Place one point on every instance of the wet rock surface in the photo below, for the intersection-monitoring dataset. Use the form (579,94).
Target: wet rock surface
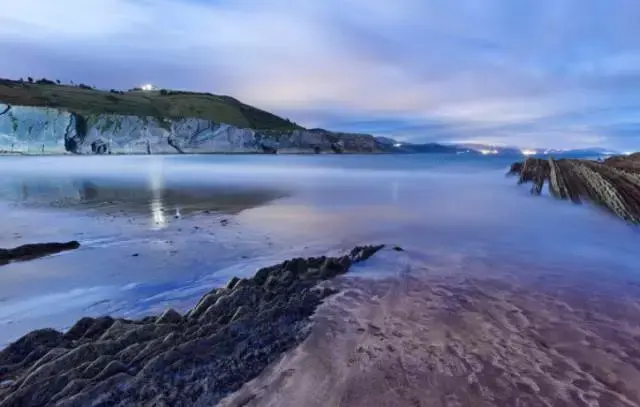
(613,184)
(227,339)
(34,251)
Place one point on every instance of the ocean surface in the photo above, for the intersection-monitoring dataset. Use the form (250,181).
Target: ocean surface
(160,231)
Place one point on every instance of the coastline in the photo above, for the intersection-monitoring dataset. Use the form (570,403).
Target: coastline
(419,336)
(426,340)
(229,337)
(423,304)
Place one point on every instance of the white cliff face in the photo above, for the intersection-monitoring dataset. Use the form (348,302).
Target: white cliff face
(37,130)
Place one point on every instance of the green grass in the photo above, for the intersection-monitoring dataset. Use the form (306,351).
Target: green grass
(161,106)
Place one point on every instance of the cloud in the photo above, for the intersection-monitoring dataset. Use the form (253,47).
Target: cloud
(536,73)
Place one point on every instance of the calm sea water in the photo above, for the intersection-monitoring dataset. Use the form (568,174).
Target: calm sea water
(161,231)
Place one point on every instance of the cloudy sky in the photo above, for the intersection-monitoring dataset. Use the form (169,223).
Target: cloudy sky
(539,73)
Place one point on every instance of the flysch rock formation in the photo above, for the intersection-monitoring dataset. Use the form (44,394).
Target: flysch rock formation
(613,184)
(231,335)
(46,130)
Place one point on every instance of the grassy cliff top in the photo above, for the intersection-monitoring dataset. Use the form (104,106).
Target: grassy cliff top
(156,103)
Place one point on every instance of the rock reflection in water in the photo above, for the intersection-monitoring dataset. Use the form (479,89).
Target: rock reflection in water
(153,197)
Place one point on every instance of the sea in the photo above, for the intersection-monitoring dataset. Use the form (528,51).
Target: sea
(160,231)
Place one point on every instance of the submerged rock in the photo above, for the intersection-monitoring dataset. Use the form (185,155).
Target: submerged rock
(34,251)
(228,338)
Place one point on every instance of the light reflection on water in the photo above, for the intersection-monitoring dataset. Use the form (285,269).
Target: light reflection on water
(156,185)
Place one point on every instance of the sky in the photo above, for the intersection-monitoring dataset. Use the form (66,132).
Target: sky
(539,73)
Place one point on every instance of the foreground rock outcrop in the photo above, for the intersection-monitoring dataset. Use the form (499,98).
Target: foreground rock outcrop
(34,251)
(227,339)
(613,184)
(47,130)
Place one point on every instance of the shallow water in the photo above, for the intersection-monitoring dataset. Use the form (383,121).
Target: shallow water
(160,231)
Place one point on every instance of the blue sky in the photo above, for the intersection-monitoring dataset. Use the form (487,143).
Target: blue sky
(543,73)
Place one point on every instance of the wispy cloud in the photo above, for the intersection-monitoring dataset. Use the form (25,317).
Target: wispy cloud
(537,73)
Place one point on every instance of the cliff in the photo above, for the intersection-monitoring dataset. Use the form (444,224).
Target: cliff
(57,119)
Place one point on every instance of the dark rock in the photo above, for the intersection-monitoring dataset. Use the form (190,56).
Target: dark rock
(114,367)
(228,338)
(98,327)
(34,251)
(99,147)
(362,253)
(398,249)
(170,316)
(515,169)
(79,328)
(232,283)
(46,338)
(268,149)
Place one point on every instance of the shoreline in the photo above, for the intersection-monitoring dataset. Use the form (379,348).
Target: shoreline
(423,340)
(229,337)
(3,154)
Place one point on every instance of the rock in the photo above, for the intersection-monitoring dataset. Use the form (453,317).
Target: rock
(114,367)
(99,147)
(398,249)
(232,283)
(170,316)
(228,338)
(98,327)
(34,251)
(613,184)
(17,351)
(204,303)
(362,253)
(62,131)
(79,328)
(515,169)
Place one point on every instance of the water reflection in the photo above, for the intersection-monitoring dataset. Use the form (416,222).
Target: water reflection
(152,195)
(156,184)
(159,220)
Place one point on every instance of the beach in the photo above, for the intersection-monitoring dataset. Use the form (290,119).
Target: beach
(493,296)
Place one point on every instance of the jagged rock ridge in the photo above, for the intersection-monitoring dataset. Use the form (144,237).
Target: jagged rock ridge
(196,359)
(613,184)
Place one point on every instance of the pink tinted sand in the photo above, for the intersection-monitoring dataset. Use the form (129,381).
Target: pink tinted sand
(427,340)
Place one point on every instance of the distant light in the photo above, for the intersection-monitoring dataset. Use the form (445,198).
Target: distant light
(397,145)
(487,152)
(147,87)
(628,152)
(528,152)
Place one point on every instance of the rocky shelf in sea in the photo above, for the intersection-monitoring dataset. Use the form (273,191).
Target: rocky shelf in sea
(612,184)
(230,336)
(34,251)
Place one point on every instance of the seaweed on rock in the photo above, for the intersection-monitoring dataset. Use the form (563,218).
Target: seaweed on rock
(613,184)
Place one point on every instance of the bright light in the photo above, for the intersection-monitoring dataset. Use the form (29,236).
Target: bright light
(628,152)
(487,152)
(528,152)
(397,145)
(147,87)
(156,185)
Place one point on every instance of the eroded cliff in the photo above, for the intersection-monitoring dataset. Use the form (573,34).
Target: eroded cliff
(37,130)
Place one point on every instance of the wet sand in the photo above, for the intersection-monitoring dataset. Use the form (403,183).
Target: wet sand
(500,299)
(424,339)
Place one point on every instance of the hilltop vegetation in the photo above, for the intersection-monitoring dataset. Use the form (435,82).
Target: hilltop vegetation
(162,104)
